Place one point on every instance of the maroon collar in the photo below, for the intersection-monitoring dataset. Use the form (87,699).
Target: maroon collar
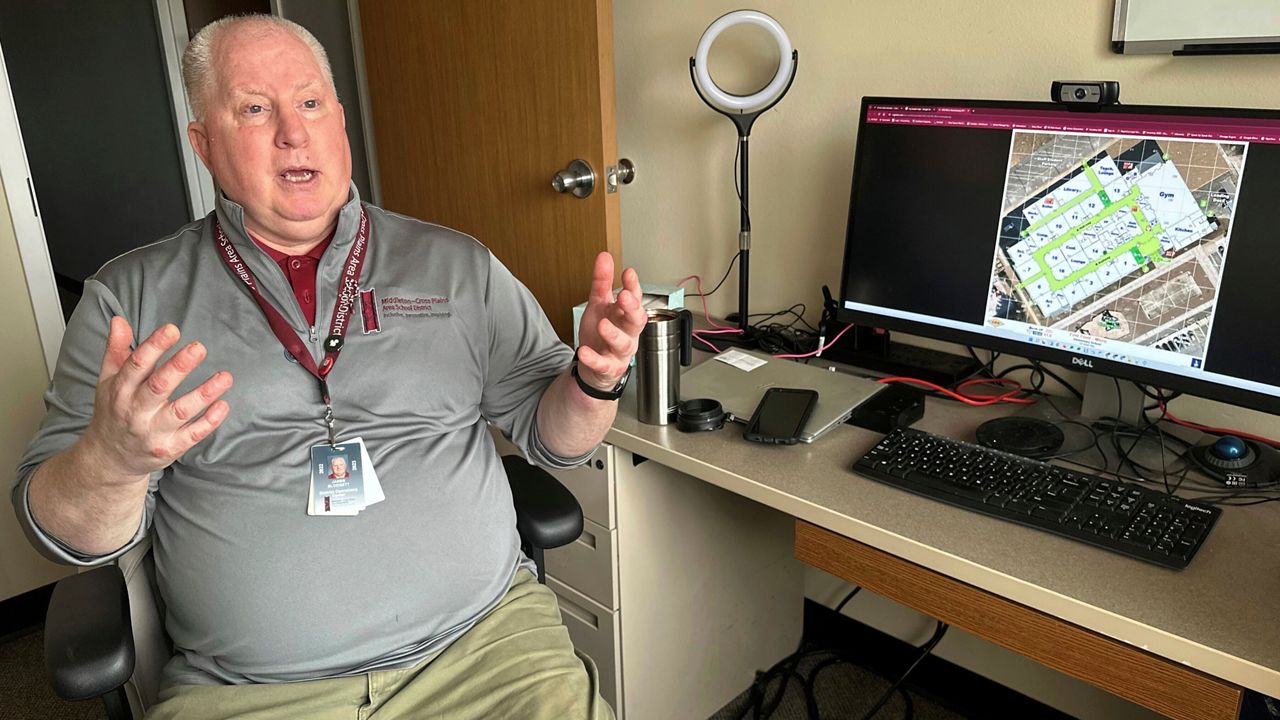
(314,253)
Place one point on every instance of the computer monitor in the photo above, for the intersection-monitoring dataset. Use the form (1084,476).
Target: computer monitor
(1139,242)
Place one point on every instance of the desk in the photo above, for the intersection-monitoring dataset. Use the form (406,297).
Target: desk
(1182,643)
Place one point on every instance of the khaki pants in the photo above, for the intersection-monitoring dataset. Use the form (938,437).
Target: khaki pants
(517,662)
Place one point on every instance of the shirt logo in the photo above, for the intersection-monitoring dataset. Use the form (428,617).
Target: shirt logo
(405,306)
(370,322)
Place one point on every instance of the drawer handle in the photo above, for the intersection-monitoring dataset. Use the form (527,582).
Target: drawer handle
(579,613)
(587,539)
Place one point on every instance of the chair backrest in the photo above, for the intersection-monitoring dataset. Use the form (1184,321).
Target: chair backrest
(151,644)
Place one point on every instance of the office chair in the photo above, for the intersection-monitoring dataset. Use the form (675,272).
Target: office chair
(104,636)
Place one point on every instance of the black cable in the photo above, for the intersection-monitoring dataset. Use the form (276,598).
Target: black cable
(1164,465)
(1038,368)
(925,650)
(1140,433)
(812,700)
(1094,443)
(784,338)
(722,278)
(847,598)
(1158,394)
(1067,418)
(789,311)
(737,152)
(786,667)
(1070,388)
(986,369)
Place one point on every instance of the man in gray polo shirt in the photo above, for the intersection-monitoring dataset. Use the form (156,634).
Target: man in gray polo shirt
(328,325)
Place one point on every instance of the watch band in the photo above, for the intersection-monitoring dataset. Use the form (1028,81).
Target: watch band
(595,392)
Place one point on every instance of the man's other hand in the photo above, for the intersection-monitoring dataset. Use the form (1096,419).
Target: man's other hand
(136,428)
(610,328)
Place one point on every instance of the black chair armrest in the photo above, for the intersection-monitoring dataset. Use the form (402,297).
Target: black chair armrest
(88,637)
(547,514)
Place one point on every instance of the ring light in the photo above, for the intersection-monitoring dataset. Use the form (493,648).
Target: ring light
(743,110)
(767,94)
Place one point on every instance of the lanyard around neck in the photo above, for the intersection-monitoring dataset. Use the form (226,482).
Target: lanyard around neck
(342,309)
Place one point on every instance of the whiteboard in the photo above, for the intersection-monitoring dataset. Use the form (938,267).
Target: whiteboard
(1196,27)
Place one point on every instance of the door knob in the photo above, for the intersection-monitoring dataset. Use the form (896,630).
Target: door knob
(578,178)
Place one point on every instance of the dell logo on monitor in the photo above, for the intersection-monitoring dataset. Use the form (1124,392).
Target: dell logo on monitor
(1085,362)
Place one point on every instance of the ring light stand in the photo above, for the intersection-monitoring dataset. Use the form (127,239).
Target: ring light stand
(743,111)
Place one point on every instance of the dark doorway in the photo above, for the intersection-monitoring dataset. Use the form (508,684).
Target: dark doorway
(89,85)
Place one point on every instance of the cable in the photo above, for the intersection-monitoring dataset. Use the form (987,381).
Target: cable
(791,310)
(976,401)
(722,329)
(986,369)
(812,700)
(847,598)
(1215,430)
(786,667)
(724,277)
(1070,388)
(821,349)
(925,650)
(736,188)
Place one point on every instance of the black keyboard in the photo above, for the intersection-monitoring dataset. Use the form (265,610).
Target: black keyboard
(1123,517)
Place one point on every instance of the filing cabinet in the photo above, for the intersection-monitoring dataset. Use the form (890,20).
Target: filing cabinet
(584,573)
(677,590)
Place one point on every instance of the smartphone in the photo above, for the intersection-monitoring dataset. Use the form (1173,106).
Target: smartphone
(781,415)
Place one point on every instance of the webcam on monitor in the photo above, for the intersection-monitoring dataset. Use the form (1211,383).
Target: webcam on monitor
(1085,94)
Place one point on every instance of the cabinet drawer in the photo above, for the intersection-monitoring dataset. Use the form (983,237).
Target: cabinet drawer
(592,484)
(594,631)
(587,564)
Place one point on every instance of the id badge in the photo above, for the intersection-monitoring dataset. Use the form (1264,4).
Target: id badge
(343,481)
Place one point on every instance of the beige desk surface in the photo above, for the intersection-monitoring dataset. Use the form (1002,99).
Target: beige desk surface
(1221,615)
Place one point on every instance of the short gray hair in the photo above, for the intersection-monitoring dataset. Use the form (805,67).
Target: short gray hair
(198,73)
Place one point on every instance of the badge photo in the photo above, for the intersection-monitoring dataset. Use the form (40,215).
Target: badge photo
(337,480)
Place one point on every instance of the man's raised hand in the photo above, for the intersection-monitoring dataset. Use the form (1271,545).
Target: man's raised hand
(610,327)
(136,427)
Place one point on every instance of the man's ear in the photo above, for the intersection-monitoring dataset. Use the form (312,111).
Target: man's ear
(199,140)
(342,109)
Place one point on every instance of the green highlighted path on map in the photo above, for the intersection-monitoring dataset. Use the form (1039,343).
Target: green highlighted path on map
(1097,189)
(1144,247)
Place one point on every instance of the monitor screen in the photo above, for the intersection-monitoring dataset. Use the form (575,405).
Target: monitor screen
(1140,242)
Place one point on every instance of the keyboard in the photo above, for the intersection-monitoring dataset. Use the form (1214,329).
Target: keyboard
(1123,517)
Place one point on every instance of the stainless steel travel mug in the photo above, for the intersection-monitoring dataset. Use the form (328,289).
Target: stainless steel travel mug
(666,344)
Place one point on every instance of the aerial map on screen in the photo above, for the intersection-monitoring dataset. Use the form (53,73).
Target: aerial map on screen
(1115,238)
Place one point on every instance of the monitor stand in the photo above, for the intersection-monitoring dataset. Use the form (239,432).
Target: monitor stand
(1107,397)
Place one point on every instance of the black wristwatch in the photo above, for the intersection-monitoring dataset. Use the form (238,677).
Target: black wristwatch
(595,392)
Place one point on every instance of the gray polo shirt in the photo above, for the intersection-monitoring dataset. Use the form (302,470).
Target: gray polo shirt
(255,590)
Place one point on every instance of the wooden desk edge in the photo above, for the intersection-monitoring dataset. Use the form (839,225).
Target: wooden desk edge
(1118,668)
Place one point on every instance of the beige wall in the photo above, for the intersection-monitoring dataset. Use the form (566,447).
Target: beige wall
(24,380)
(680,216)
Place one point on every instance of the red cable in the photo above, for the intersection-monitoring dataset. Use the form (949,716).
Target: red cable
(1215,430)
(976,401)
(705,312)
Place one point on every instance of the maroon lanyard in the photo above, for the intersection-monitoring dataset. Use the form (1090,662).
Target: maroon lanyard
(342,310)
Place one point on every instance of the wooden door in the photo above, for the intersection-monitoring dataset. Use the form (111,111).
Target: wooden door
(475,105)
